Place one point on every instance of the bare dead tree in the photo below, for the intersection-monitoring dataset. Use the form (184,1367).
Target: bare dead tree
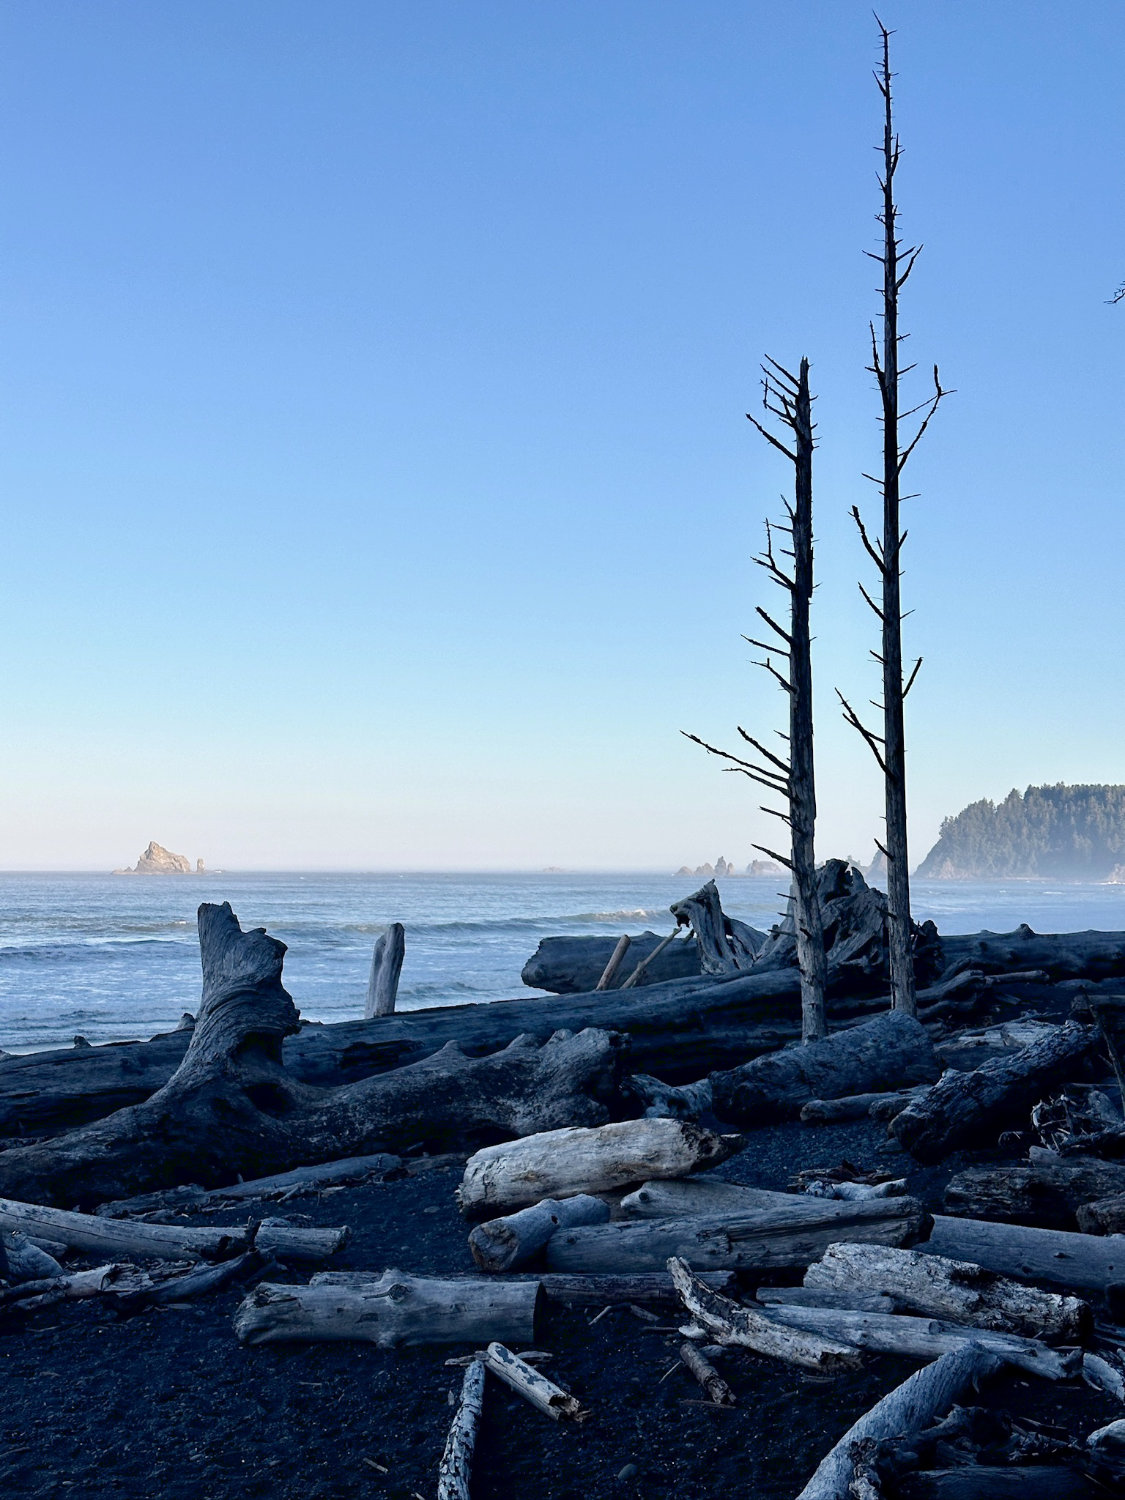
(889,748)
(787,398)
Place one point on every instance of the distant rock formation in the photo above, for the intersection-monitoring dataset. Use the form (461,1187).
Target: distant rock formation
(764,867)
(1049,832)
(156,860)
(726,868)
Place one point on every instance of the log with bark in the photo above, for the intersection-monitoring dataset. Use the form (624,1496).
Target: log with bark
(505,1243)
(1086,1261)
(884,1053)
(961,1291)
(966,1108)
(923,1338)
(1049,1195)
(791,1234)
(561,1163)
(904,1411)
(396,1310)
(717,1317)
(232,1110)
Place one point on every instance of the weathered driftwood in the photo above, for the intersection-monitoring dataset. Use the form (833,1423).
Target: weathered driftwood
(959,1290)
(576,965)
(963,1107)
(202,1279)
(23,1260)
(856,1192)
(231,1107)
(1103,1375)
(907,1409)
(712,1383)
(29,1296)
(637,975)
(923,1338)
(1065,955)
(1104,1216)
(535,1388)
(703,913)
(1047,1195)
(616,959)
(386,968)
(456,1467)
(684,1101)
(560,1163)
(505,1243)
(730,1323)
(1025,1482)
(1086,1261)
(883,1053)
(783,1235)
(349,1172)
(805,1296)
(119,1239)
(288,1242)
(858,1106)
(580,1291)
(685,1197)
(396,1310)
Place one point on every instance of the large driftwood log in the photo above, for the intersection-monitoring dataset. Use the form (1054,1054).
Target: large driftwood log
(884,1053)
(386,967)
(1104,1216)
(958,1290)
(580,1291)
(561,1163)
(923,1338)
(1025,1482)
(784,1235)
(688,1197)
(502,1244)
(1086,1261)
(118,1240)
(720,952)
(907,1409)
(395,1311)
(231,1109)
(576,965)
(729,1322)
(349,1172)
(858,1106)
(1063,955)
(1049,1195)
(964,1107)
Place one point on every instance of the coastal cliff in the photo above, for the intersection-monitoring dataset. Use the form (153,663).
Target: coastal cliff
(1048,833)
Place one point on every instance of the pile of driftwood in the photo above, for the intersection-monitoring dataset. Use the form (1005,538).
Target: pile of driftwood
(590,1177)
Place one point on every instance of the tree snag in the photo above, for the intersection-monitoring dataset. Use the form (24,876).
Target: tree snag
(889,748)
(786,397)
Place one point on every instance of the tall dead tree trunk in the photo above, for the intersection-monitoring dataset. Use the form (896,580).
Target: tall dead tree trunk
(890,747)
(787,397)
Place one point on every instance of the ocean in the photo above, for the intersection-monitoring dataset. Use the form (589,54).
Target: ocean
(115,957)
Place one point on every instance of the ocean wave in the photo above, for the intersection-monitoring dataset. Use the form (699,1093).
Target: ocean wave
(499,925)
(89,948)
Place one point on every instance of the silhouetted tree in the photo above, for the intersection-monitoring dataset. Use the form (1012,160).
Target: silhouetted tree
(787,398)
(889,747)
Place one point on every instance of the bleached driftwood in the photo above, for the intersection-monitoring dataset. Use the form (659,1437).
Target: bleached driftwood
(1102,1375)
(1087,1261)
(883,1053)
(349,1172)
(789,1234)
(856,1192)
(858,1106)
(958,1290)
(456,1467)
(638,973)
(703,913)
(386,967)
(288,1242)
(907,1409)
(923,1338)
(505,1243)
(527,1382)
(714,1386)
(396,1310)
(559,1163)
(730,1323)
(22,1260)
(809,1296)
(616,959)
(121,1239)
(580,1291)
(686,1197)
(72,1287)
(1048,1195)
(964,1107)
(677,1101)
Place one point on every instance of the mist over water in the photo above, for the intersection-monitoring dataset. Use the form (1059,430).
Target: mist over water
(116,957)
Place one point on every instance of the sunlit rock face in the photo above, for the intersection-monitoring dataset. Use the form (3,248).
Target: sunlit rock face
(156,860)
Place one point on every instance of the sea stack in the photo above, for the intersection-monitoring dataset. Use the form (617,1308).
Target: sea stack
(156,860)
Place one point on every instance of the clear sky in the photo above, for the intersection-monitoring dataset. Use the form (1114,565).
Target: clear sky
(377,486)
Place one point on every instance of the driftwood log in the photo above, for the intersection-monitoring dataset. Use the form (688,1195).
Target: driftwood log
(963,1108)
(232,1110)
(23,1260)
(349,1172)
(580,1291)
(394,1311)
(560,1163)
(906,1410)
(456,1465)
(386,968)
(688,1197)
(803,1296)
(534,1387)
(577,965)
(923,1338)
(1049,1195)
(1064,955)
(717,1317)
(1025,1482)
(505,1243)
(1104,1216)
(721,950)
(882,1105)
(784,1235)
(883,1053)
(1086,1261)
(958,1290)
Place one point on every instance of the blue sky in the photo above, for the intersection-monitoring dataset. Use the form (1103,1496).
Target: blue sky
(377,484)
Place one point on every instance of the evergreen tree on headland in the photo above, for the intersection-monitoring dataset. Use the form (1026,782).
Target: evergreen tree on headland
(1052,832)
(787,398)
(889,748)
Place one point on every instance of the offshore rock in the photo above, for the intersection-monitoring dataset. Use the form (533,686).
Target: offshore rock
(156,860)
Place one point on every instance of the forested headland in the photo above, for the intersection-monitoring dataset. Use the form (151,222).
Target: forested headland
(1052,832)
